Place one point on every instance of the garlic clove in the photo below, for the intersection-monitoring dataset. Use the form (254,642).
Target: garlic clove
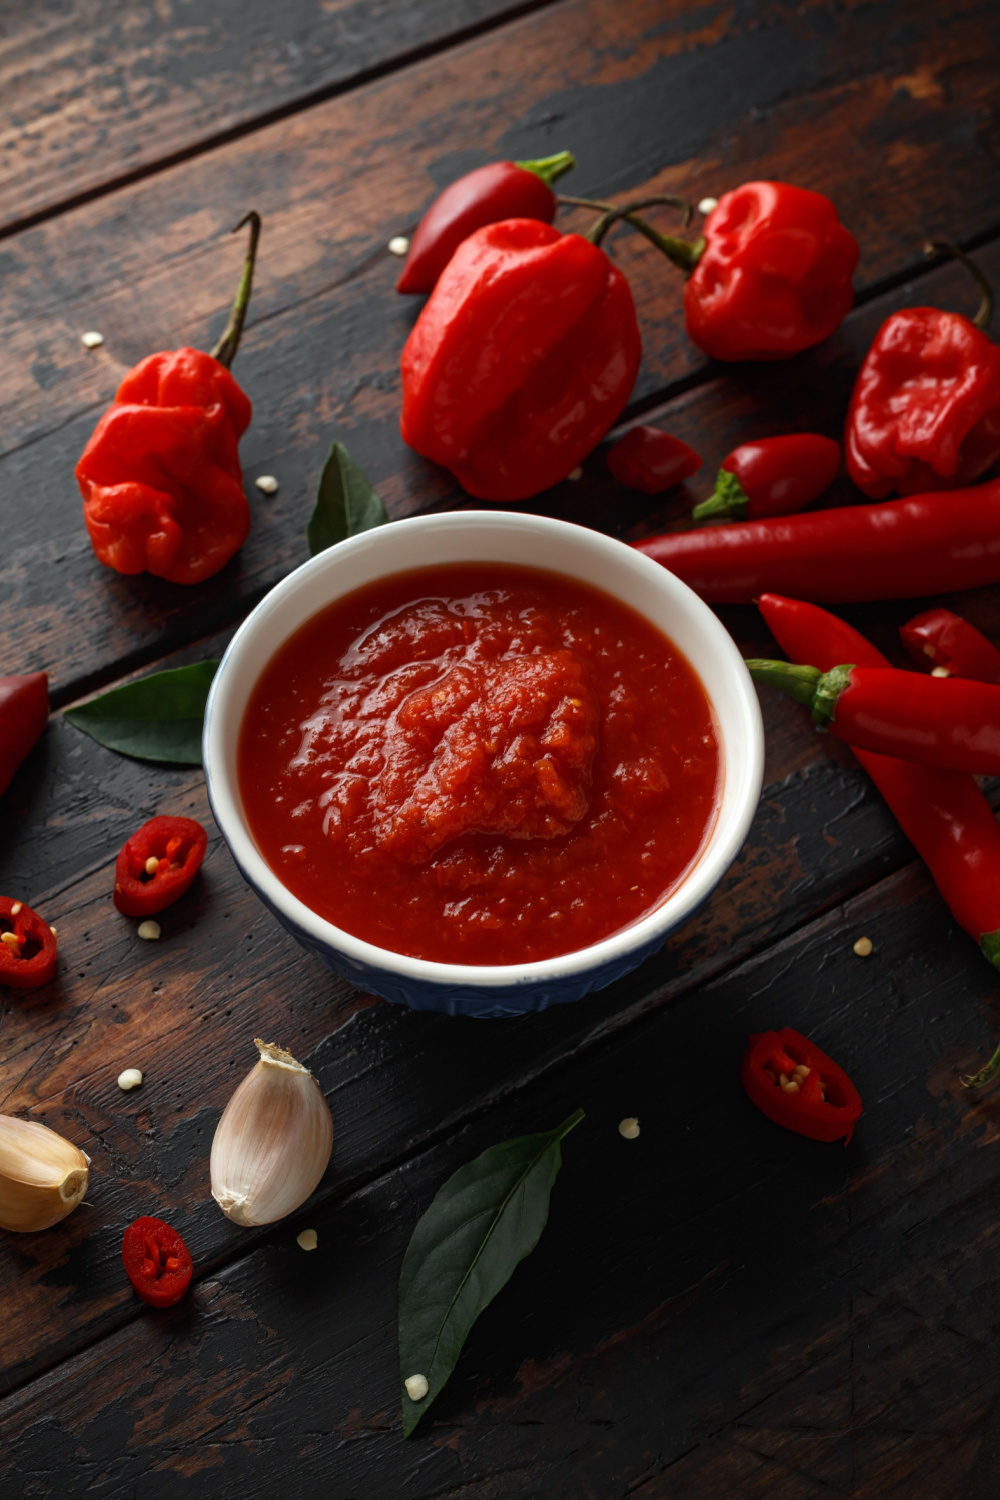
(42,1176)
(273,1143)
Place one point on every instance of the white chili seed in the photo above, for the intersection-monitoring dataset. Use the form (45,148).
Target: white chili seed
(707,205)
(940,671)
(54,931)
(16,908)
(791,1088)
(149,931)
(576,473)
(152,865)
(863,947)
(267,484)
(307,1240)
(398,245)
(130,1079)
(416,1387)
(629,1127)
(10,939)
(92,340)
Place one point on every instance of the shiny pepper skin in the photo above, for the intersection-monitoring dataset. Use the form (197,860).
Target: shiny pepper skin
(24,713)
(160,478)
(774,277)
(521,360)
(925,412)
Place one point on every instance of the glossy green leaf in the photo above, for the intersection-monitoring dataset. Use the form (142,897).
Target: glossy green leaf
(485,1219)
(346,504)
(158,717)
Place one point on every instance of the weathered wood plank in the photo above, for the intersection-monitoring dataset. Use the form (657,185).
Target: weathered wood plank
(718,1308)
(147,266)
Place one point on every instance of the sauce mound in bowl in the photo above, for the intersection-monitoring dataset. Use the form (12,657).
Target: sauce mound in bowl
(479,764)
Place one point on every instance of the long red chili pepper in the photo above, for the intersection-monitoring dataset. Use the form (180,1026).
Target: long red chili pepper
(947,722)
(24,713)
(943,813)
(952,645)
(896,550)
(772,477)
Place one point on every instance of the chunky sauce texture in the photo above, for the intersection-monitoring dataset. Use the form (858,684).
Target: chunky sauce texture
(479,764)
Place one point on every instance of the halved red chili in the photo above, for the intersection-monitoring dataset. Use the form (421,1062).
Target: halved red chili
(27,946)
(158,864)
(948,641)
(796,1085)
(157,1262)
(650,460)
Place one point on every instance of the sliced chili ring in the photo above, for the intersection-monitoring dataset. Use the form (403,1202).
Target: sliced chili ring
(157,1262)
(796,1085)
(157,865)
(27,946)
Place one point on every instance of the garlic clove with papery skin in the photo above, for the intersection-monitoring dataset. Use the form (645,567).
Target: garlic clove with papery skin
(273,1142)
(42,1176)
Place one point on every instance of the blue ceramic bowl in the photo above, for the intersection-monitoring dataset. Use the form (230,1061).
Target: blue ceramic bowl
(531,541)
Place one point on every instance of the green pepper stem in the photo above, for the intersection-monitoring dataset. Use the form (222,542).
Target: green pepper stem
(984,312)
(225,349)
(683,253)
(548,168)
(729,498)
(818,690)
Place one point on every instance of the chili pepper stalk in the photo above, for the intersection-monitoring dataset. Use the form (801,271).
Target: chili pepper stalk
(225,349)
(818,690)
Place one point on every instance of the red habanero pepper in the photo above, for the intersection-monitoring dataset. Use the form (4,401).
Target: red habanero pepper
(925,411)
(24,713)
(521,360)
(160,478)
(649,460)
(943,813)
(27,946)
(157,864)
(157,1262)
(772,477)
(502,190)
(896,550)
(945,722)
(952,645)
(796,1085)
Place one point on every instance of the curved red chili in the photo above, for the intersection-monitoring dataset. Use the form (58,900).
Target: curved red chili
(796,1085)
(521,360)
(772,477)
(952,644)
(650,460)
(157,864)
(502,190)
(897,550)
(27,946)
(24,713)
(157,1262)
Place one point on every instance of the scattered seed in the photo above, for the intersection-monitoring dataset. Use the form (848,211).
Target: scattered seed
(267,484)
(707,205)
(940,671)
(307,1239)
(576,473)
(149,931)
(629,1127)
(130,1079)
(398,245)
(863,947)
(16,908)
(54,931)
(92,340)
(416,1387)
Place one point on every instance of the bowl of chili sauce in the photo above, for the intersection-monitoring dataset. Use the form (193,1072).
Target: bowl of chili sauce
(482,762)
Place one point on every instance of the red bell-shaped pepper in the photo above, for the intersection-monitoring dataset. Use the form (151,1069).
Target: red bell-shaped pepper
(157,864)
(24,713)
(160,478)
(521,360)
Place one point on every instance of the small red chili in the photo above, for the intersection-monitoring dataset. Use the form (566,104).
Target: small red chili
(157,1262)
(772,477)
(27,946)
(946,640)
(796,1085)
(502,190)
(157,865)
(649,460)
(24,713)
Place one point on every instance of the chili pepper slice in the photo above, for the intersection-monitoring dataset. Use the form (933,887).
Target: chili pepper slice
(24,713)
(796,1085)
(772,477)
(649,460)
(157,1262)
(947,641)
(948,539)
(27,946)
(157,864)
(502,190)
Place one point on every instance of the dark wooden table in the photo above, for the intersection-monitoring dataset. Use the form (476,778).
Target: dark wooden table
(718,1308)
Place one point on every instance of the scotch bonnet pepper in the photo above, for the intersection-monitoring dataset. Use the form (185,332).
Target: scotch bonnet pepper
(160,478)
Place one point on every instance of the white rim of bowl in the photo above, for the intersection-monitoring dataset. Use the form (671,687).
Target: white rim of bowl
(715,858)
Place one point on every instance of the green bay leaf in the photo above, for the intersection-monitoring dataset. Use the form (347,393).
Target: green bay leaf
(346,504)
(159,717)
(485,1219)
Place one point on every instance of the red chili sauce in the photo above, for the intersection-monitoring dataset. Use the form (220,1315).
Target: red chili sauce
(479,764)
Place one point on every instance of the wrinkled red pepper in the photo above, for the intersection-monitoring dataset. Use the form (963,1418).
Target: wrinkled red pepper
(925,411)
(27,946)
(502,190)
(896,550)
(521,360)
(24,713)
(160,478)
(952,645)
(157,865)
(796,1085)
(157,1262)
(772,477)
(650,460)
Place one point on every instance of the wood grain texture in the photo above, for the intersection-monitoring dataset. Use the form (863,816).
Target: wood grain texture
(150,266)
